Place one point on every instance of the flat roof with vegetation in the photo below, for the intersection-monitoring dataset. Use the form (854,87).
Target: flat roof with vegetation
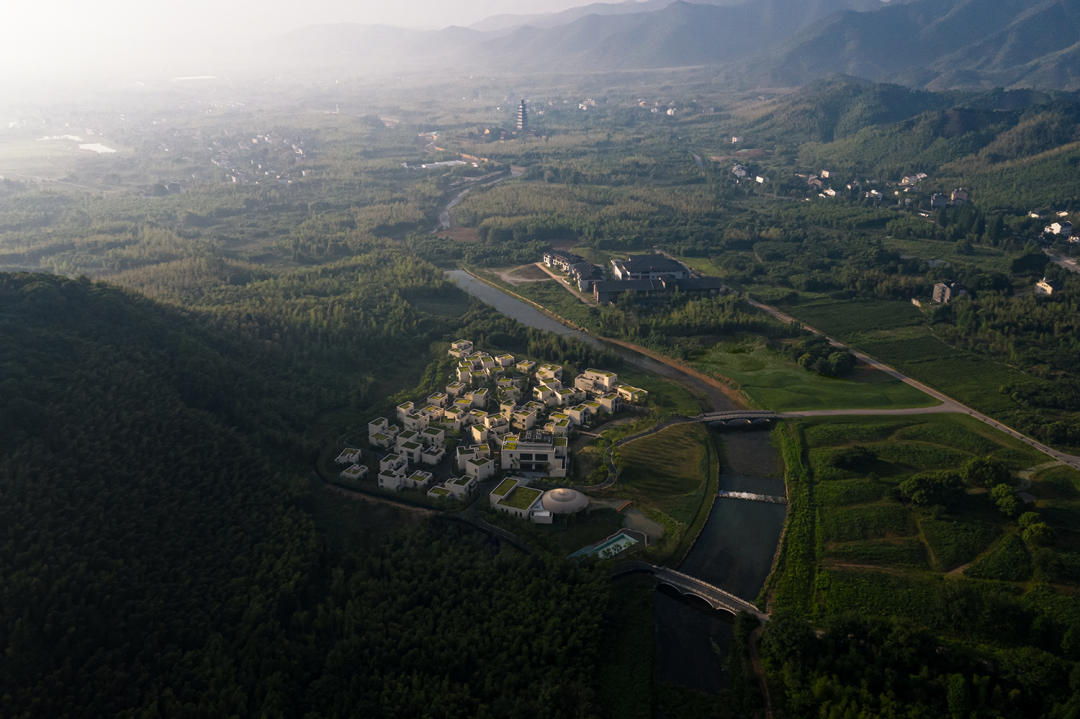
(439,491)
(506,486)
(462,481)
(521,498)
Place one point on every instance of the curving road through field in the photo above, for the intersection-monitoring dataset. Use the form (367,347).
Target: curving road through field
(948,404)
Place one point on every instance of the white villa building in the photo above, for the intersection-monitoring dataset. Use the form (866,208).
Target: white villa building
(355,472)
(348,456)
(536,453)
(515,497)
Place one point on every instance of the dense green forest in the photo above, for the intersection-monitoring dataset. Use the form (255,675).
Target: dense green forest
(160,556)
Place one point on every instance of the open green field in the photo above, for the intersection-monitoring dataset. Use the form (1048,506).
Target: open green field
(775,382)
(669,463)
(669,397)
(552,296)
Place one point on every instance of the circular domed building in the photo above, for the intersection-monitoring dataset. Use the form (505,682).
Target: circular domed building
(564,501)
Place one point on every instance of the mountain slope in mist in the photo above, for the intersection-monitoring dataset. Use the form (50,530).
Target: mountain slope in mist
(936,44)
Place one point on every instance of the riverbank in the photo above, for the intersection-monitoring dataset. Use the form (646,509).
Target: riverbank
(729,388)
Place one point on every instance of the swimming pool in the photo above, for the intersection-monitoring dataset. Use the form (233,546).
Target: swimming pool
(614,544)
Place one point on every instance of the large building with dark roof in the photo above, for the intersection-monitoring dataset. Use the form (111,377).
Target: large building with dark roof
(606,292)
(648,267)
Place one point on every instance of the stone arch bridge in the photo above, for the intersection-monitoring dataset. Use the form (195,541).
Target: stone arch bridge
(692,587)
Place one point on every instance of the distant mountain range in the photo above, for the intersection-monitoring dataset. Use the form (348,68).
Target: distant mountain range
(933,44)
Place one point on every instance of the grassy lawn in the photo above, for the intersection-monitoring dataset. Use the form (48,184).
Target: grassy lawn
(664,394)
(669,463)
(521,498)
(672,477)
(549,295)
(775,382)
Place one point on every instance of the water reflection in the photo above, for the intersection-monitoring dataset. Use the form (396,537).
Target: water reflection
(685,637)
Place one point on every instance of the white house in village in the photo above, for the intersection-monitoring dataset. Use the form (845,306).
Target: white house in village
(596,381)
(461,486)
(480,469)
(348,456)
(536,453)
(461,348)
(355,472)
(516,498)
(633,395)
(381,434)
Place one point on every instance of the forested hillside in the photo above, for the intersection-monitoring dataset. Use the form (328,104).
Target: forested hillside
(158,558)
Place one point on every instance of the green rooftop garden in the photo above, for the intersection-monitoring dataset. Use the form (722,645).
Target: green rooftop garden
(560,441)
(462,481)
(521,498)
(506,486)
(439,492)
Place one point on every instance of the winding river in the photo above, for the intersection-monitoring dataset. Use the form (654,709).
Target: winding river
(736,546)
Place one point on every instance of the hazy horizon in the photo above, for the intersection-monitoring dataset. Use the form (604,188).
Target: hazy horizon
(63,41)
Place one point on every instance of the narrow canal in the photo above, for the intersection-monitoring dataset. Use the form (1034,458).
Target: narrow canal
(736,547)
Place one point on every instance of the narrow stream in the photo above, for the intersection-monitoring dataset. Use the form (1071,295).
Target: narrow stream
(736,546)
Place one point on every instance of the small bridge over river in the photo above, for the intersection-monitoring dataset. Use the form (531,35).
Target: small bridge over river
(692,587)
(738,419)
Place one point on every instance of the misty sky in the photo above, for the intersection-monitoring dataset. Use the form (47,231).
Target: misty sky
(42,37)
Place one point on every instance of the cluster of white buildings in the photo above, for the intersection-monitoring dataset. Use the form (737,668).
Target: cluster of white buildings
(511,415)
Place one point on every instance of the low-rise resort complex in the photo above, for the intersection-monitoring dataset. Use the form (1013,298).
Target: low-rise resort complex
(499,418)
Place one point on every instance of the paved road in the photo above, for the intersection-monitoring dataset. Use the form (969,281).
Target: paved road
(948,404)
(1066,263)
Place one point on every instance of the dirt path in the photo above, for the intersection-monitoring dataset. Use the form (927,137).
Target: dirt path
(510,278)
(590,301)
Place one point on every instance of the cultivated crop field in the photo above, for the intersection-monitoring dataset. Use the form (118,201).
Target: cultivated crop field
(874,551)
(842,319)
